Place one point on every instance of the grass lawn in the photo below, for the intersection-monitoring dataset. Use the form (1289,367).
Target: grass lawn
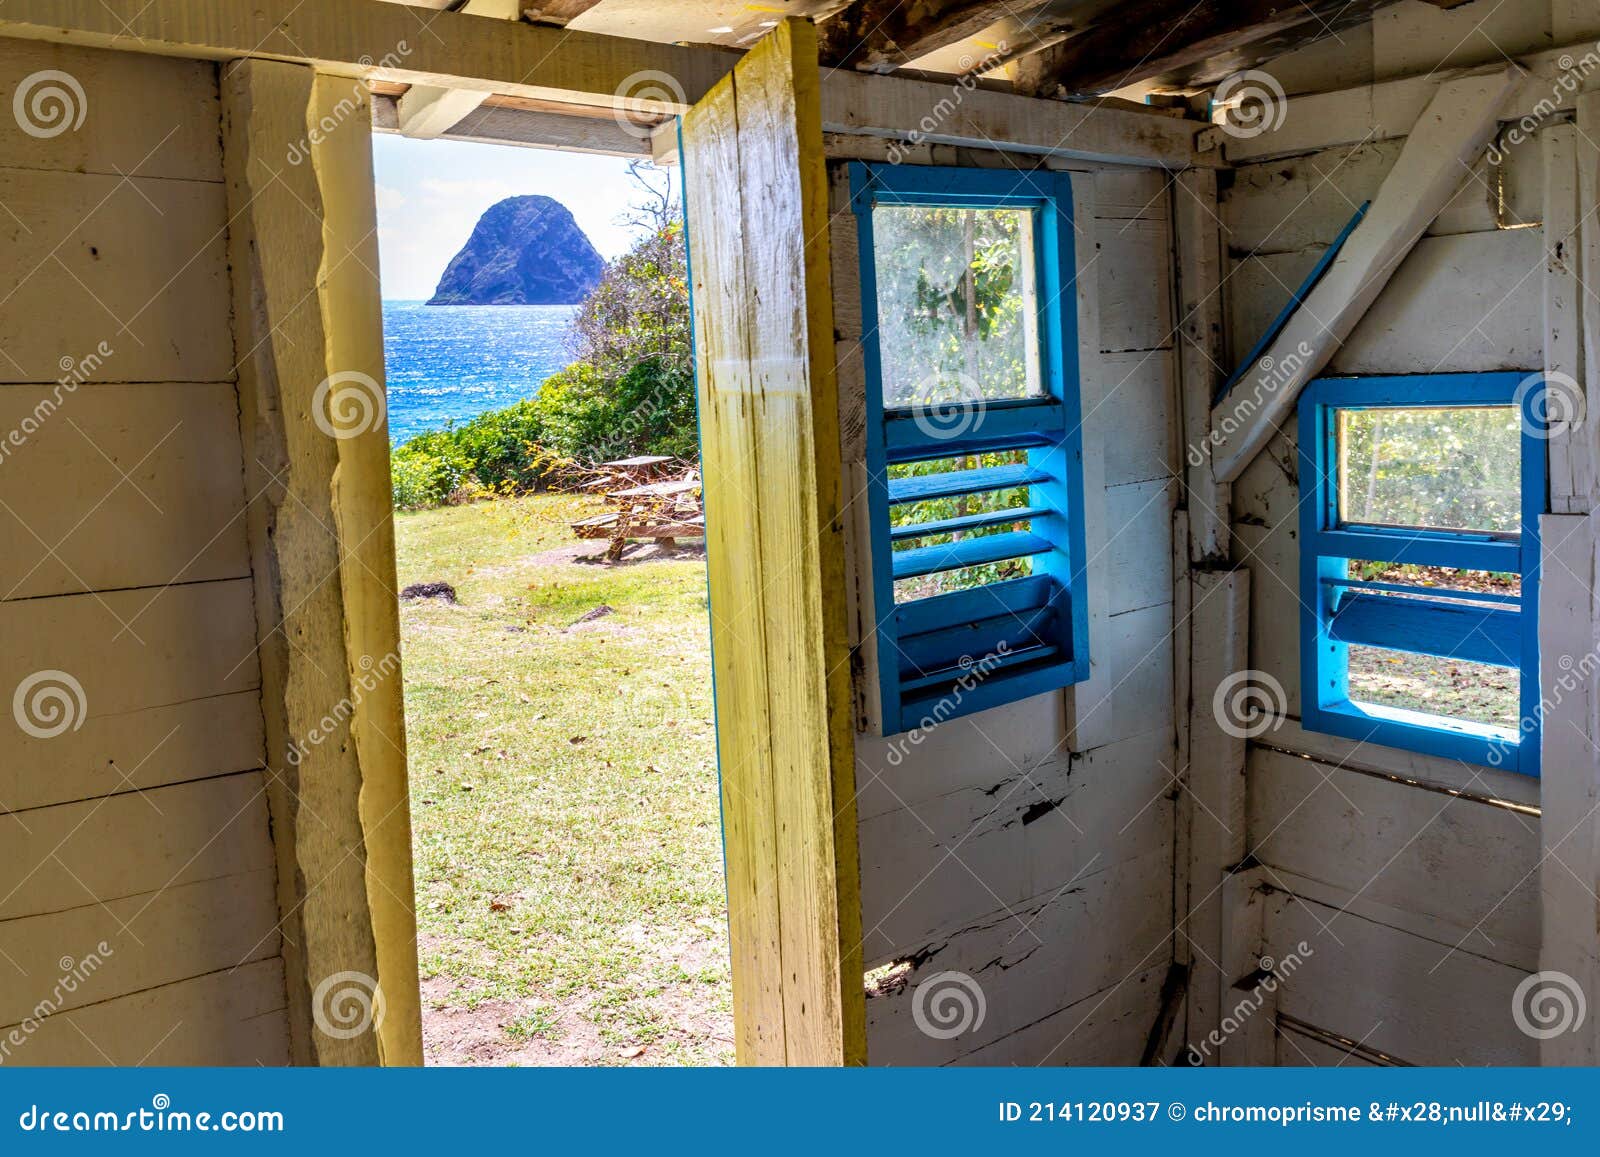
(570,899)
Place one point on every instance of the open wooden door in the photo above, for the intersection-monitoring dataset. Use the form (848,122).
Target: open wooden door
(756,194)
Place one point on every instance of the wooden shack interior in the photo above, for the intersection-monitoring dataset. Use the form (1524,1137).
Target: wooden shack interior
(1116,817)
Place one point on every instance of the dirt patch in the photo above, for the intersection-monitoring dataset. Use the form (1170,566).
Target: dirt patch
(591,553)
(502,1032)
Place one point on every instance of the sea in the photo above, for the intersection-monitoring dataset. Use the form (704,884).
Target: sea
(448,363)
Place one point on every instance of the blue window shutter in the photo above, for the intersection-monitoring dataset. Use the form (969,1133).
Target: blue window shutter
(968,650)
(1337,611)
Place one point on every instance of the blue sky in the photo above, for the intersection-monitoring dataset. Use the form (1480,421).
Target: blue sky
(431,194)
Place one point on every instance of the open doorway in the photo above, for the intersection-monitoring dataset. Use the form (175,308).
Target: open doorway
(570,901)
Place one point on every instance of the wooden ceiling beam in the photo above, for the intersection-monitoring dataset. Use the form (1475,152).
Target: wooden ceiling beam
(560,12)
(882,35)
(1196,43)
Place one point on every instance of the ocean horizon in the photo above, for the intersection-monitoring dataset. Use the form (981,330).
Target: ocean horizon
(449,363)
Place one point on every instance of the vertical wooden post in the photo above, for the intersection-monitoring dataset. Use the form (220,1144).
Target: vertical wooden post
(1569,802)
(1211,811)
(309,339)
(756,189)
(1571,483)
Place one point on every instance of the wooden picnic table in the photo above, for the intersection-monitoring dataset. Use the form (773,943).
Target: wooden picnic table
(647,505)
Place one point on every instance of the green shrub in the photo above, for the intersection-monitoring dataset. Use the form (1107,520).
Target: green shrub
(649,410)
(420,479)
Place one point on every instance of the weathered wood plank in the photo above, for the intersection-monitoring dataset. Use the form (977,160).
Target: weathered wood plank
(1213,781)
(139,842)
(135,750)
(1291,204)
(1468,303)
(233,1017)
(309,340)
(955,857)
(1569,843)
(769,427)
(1093,934)
(131,650)
(1468,866)
(1141,390)
(1136,697)
(1198,268)
(111,113)
(542,128)
(133,271)
(962,113)
(1405,996)
(1141,545)
(108,487)
(340,37)
(137,943)
(1134,267)
(1107,1028)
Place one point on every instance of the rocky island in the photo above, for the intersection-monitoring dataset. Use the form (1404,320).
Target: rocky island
(523,251)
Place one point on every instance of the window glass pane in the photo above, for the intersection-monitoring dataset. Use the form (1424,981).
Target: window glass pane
(1455,468)
(957,307)
(1450,687)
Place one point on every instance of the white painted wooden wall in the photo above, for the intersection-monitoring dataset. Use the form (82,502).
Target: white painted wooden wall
(1414,882)
(1030,847)
(136,839)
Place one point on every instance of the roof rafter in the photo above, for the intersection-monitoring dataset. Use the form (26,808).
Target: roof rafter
(882,35)
(1200,43)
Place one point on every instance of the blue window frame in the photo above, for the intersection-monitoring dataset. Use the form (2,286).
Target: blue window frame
(1452,623)
(999,639)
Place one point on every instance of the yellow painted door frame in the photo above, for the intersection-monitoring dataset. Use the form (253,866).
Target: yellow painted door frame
(756,198)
